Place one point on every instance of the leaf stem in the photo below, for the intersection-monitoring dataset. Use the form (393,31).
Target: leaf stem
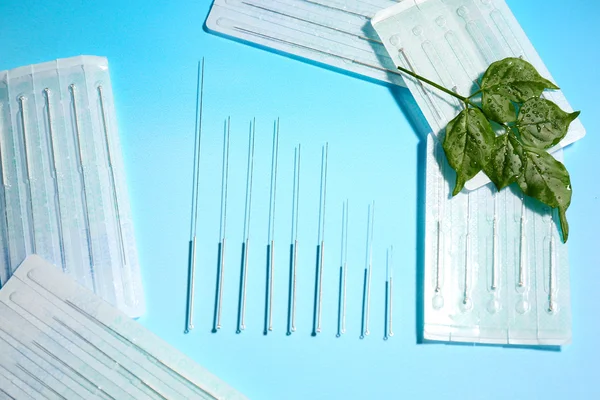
(439,87)
(475,93)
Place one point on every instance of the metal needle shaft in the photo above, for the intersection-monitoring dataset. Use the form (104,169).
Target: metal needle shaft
(323,52)
(283,14)
(522,246)
(57,196)
(247,215)
(320,243)
(27,176)
(291,327)
(189,320)
(367,275)
(115,199)
(81,169)
(271,235)
(223,229)
(343,253)
(370,267)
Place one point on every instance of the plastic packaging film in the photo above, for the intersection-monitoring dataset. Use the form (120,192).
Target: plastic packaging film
(332,32)
(63,193)
(59,340)
(496,270)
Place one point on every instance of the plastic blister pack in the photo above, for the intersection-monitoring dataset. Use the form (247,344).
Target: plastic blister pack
(496,270)
(332,32)
(63,189)
(452,42)
(59,340)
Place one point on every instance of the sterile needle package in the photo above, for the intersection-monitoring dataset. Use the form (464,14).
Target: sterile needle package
(337,33)
(63,194)
(496,268)
(58,340)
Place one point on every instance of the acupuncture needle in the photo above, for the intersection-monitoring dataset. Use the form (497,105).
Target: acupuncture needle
(54,356)
(339,9)
(522,246)
(241,323)
(351,60)
(4,186)
(390,296)
(28,176)
(25,356)
(271,233)
(35,310)
(189,321)
(368,39)
(466,299)
(343,264)
(61,239)
(10,375)
(368,264)
(322,252)
(494,285)
(128,341)
(112,360)
(320,242)
(294,243)
(551,269)
(86,216)
(223,226)
(8,395)
(41,382)
(113,184)
(20,351)
(73,370)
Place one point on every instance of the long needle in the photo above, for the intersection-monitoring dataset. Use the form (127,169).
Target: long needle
(494,285)
(223,228)
(271,245)
(294,243)
(131,342)
(389,332)
(326,53)
(86,216)
(61,239)
(320,243)
(370,267)
(322,253)
(4,186)
(343,262)
(28,175)
(312,22)
(551,304)
(339,9)
(115,199)
(467,256)
(246,244)
(522,246)
(189,320)
(367,280)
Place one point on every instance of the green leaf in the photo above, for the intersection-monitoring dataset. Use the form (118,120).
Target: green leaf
(498,107)
(542,123)
(468,145)
(507,81)
(546,179)
(505,164)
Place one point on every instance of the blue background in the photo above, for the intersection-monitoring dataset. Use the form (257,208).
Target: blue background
(376,153)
